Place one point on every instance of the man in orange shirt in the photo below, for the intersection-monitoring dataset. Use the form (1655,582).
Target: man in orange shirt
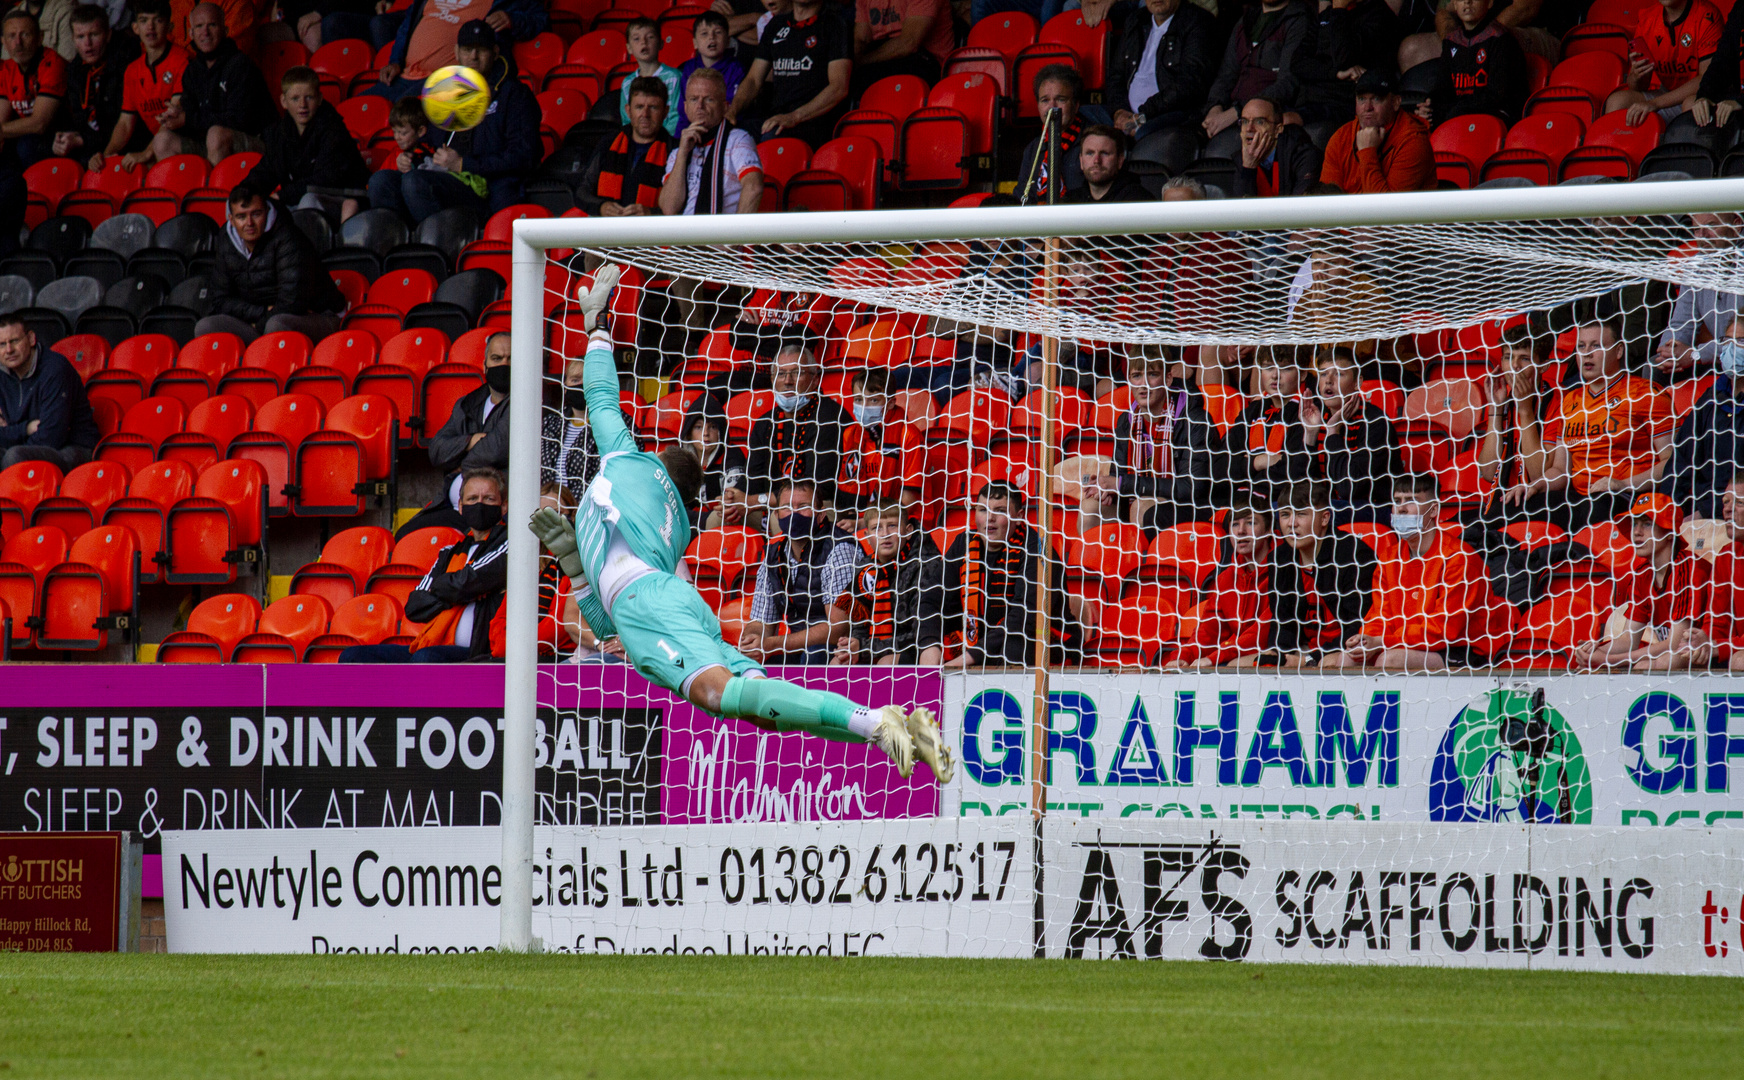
(1661,633)
(1232,620)
(1615,437)
(1432,599)
(1384,148)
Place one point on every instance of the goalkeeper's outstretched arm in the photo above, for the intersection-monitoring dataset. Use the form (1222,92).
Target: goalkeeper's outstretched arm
(600,370)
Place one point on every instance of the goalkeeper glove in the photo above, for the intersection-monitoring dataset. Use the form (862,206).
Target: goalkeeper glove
(593,303)
(558,536)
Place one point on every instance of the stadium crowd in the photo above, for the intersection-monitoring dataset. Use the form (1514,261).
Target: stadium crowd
(244,280)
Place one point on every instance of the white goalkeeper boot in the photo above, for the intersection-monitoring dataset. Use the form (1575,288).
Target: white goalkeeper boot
(891,736)
(598,297)
(930,745)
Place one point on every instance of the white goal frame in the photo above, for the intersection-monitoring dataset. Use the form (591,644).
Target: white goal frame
(534,237)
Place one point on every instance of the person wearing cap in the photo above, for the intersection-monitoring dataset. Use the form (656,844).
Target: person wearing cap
(1432,605)
(429,33)
(481,169)
(1660,631)
(1384,148)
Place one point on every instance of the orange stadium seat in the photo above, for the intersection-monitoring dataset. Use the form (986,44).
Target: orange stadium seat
(345,566)
(351,457)
(21,488)
(24,564)
(214,627)
(280,426)
(220,526)
(211,427)
(286,628)
(94,591)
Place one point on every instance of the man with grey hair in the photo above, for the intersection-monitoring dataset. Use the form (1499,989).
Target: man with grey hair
(476,436)
(1184,188)
(801,437)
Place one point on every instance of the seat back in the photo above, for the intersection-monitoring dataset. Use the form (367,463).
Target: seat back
(213,355)
(977,98)
(299,618)
(859,161)
(1552,134)
(347,352)
(369,618)
(146,355)
(363,550)
(94,485)
(897,95)
(40,548)
(28,483)
(1598,73)
(241,486)
(1006,31)
(783,159)
(292,417)
(420,547)
(402,289)
(229,618)
(370,419)
(1088,43)
(280,353)
(154,419)
(415,350)
(935,149)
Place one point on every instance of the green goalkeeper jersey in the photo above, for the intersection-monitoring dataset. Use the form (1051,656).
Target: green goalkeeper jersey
(631,496)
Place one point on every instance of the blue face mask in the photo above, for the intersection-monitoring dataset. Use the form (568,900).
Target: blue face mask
(1731,357)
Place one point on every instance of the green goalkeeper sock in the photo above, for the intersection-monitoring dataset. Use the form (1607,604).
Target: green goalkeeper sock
(795,708)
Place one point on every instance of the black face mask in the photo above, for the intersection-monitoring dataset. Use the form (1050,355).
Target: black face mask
(574,399)
(497,378)
(481,517)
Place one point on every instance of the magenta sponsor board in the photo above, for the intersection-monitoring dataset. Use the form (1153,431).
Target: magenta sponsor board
(145,748)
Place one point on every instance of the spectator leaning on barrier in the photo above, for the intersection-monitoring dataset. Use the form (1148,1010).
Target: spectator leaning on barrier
(1664,618)
(1383,149)
(1161,67)
(1431,595)
(149,83)
(310,158)
(458,598)
(1708,449)
(224,103)
(807,566)
(44,414)
(267,276)
(33,90)
(1276,158)
(95,86)
(1615,437)
(475,437)
(895,602)
(1322,581)
(992,585)
(628,168)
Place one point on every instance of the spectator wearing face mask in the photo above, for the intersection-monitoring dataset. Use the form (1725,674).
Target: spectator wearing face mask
(476,436)
(723,466)
(457,599)
(807,566)
(872,446)
(1708,447)
(567,454)
(801,437)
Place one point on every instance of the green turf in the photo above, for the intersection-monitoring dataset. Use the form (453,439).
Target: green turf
(525,1017)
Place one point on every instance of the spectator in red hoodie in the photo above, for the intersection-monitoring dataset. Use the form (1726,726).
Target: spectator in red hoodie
(1384,148)
(1662,632)
(1231,622)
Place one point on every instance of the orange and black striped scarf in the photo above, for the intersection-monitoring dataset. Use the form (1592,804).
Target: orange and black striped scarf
(992,571)
(646,175)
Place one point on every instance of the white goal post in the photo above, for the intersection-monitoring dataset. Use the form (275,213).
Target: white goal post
(1541,268)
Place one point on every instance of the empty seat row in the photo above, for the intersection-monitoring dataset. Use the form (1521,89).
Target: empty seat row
(232,628)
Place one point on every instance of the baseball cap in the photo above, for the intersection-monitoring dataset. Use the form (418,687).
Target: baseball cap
(1659,509)
(1375,81)
(477,32)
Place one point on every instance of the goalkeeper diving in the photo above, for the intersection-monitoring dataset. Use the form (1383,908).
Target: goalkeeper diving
(622,555)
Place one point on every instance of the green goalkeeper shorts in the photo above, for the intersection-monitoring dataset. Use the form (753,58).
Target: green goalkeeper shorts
(669,633)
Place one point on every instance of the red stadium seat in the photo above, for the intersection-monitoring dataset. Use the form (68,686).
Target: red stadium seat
(1006,31)
(600,49)
(858,161)
(378,319)
(563,108)
(364,116)
(214,627)
(146,510)
(21,488)
(179,174)
(24,564)
(403,289)
(1535,147)
(1088,43)
(444,386)
(501,225)
(232,170)
(85,496)
(278,57)
(896,95)
(1597,73)
(1463,144)
(880,127)
(155,203)
(52,178)
(95,207)
(88,353)
(286,629)
(220,526)
(209,201)
(113,180)
(723,562)
(977,98)
(936,150)
(346,563)
(1612,130)
(351,457)
(976,60)
(211,427)
(487,255)
(539,55)
(198,368)
(469,348)
(94,591)
(361,620)
(143,430)
(817,189)
(567,76)
(783,159)
(412,559)
(744,410)
(1597,37)
(280,426)
(342,59)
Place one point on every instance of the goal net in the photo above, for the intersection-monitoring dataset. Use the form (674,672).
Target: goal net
(1297,579)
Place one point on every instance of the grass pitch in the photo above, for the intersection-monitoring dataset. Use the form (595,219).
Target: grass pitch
(525,1017)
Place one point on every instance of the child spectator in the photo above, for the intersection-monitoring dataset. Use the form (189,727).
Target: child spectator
(1353,437)
(411,128)
(1169,456)
(895,603)
(1229,626)
(310,156)
(644,45)
(872,446)
(1431,597)
(1673,45)
(1277,454)
(1321,581)
(992,578)
(710,37)
(1483,69)
(1672,594)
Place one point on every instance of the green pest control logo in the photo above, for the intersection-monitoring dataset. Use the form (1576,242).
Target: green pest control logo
(1510,757)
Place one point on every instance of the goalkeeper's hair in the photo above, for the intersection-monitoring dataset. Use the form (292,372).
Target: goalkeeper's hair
(686,473)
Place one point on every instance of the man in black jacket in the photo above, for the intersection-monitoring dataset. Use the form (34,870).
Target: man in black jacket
(267,276)
(1483,69)
(476,436)
(1353,36)
(895,605)
(1321,581)
(460,595)
(992,590)
(1260,59)
(801,437)
(1276,159)
(1170,460)
(481,169)
(628,167)
(1102,162)
(224,104)
(1162,67)
(44,414)
(94,86)
(1355,440)
(310,158)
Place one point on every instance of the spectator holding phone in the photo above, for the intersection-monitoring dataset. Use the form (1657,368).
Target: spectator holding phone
(1673,45)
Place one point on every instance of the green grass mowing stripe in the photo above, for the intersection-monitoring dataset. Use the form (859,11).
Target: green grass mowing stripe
(525,1017)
